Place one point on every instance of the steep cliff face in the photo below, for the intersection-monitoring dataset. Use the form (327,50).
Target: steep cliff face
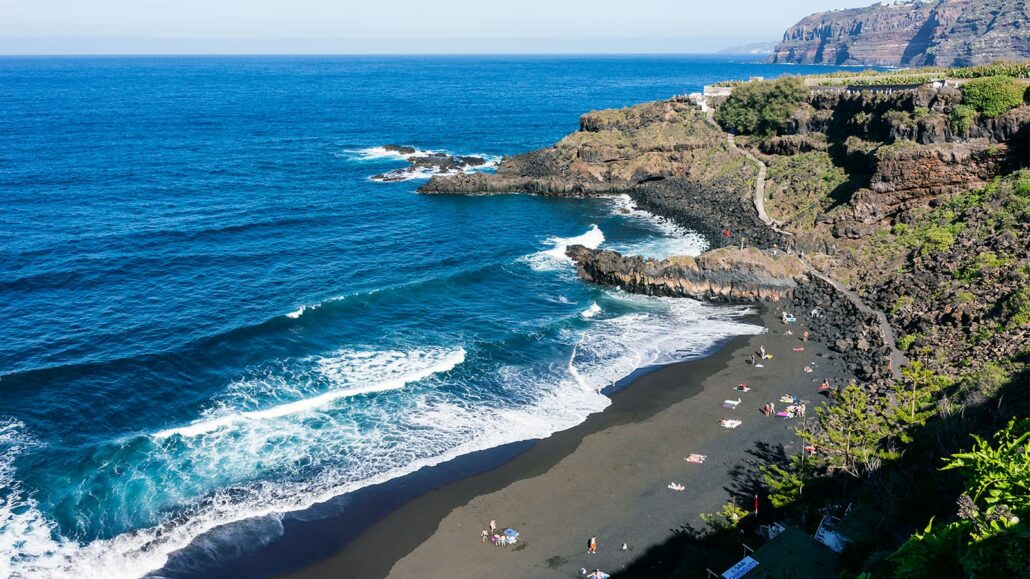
(939,32)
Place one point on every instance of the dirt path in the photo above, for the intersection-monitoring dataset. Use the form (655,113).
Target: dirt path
(897,357)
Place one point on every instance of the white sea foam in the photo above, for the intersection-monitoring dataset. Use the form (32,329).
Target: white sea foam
(381,153)
(25,534)
(297,313)
(590,312)
(394,371)
(554,258)
(671,239)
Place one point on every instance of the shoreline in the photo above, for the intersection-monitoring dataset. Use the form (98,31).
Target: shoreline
(325,530)
(536,482)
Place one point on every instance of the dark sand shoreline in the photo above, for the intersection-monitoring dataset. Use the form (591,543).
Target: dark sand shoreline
(607,474)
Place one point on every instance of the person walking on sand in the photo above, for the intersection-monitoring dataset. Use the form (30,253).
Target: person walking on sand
(592,545)
(761,350)
(493,525)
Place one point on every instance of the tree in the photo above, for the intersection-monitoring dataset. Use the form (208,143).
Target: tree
(761,107)
(916,398)
(786,485)
(848,432)
(993,95)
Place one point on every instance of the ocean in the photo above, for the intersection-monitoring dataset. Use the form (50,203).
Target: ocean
(210,313)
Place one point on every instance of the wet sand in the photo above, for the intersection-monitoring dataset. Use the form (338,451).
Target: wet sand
(606,477)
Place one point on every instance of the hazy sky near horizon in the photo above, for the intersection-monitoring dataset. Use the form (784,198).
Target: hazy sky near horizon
(394,26)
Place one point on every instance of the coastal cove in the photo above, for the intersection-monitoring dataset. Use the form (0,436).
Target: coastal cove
(259,327)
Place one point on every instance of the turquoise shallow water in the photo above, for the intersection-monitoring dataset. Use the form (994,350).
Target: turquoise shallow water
(211,313)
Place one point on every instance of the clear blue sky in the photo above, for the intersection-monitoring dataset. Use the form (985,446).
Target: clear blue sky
(394,26)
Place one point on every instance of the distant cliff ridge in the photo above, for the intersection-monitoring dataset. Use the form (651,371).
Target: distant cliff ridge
(918,33)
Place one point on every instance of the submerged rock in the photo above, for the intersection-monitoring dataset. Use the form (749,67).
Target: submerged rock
(428,164)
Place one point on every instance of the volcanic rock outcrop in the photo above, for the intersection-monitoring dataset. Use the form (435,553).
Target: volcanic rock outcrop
(725,274)
(939,33)
(663,154)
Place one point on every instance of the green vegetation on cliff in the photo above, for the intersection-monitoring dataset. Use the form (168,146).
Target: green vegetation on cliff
(993,95)
(761,107)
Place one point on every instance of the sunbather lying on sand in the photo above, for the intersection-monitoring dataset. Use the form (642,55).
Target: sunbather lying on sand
(676,486)
(729,423)
(696,458)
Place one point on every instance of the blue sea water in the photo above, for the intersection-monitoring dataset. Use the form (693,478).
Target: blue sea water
(208,312)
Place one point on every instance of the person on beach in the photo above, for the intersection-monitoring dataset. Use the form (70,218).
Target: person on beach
(751,360)
(493,525)
(801,408)
(592,545)
(804,336)
(761,349)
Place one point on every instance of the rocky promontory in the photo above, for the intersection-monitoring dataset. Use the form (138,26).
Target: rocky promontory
(663,154)
(725,274)
(938,33)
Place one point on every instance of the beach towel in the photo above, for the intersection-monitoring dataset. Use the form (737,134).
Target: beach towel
(802,349)
(730,403)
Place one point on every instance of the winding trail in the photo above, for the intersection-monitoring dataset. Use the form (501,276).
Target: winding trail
(897,357)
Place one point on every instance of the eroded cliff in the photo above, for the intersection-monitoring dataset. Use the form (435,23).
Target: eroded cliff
(939,32)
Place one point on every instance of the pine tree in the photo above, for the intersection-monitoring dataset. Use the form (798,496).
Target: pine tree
(848,432)
(916,398)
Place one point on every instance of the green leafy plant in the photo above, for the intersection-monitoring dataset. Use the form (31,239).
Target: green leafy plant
(761,107)
(993,95)
(962,119)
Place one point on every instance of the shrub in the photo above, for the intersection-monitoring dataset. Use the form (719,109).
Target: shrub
(962,119)
(1016,308)
(905,342)
(761,108)
(993,95)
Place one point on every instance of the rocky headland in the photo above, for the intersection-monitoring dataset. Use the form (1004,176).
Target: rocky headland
(918,33)
(725,274)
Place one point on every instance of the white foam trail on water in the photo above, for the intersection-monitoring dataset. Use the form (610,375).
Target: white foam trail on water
(333,368)
(672,238)
(297,313)
(554,258)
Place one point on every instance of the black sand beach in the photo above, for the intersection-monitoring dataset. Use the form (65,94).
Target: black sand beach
(606,477)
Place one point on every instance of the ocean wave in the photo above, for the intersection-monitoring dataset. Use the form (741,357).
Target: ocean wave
(554,258)
(590,312)
(353,374)
(393,437)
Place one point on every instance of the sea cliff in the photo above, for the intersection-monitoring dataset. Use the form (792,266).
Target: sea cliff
(938,32)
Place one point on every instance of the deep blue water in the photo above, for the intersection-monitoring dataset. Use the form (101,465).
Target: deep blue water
(209,311)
